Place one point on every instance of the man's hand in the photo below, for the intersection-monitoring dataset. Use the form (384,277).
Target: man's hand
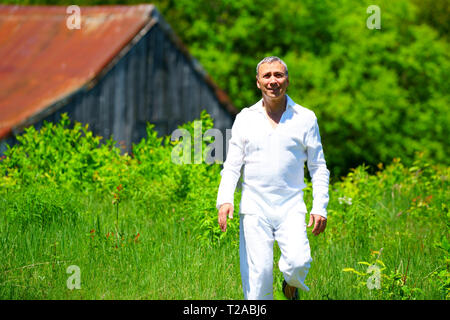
(224,210)
(320,223)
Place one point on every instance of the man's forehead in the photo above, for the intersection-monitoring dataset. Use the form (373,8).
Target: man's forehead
(271,67)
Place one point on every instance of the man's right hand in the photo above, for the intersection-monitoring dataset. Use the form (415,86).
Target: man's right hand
(225,210)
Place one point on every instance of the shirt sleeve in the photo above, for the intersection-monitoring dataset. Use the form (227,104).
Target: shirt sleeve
(232,166)
(318,170)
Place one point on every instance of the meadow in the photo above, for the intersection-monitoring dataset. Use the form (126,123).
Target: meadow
(138,226)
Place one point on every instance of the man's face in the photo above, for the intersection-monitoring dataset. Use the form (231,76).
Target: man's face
(272,79)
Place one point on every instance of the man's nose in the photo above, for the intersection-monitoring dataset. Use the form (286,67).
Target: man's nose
(273,81)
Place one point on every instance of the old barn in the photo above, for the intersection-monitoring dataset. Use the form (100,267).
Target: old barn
(122,68)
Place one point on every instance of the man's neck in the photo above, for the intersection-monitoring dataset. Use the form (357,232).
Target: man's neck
(275,106)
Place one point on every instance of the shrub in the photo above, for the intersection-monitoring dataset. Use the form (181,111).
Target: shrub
(70,157)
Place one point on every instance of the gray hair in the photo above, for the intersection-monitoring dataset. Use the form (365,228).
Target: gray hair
(270,60)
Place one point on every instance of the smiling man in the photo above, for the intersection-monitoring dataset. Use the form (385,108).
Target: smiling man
(272,140)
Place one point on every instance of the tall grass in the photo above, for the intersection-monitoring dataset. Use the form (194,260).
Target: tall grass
(156,236)
(157,255)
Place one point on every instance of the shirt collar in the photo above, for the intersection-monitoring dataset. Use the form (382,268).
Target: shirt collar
(289,104)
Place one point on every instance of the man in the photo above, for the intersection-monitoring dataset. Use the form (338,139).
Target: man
(272,140)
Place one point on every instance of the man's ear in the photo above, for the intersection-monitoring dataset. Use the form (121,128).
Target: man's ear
(257,83)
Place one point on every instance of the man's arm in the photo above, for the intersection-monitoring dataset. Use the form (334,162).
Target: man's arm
(230,175)
(320,179)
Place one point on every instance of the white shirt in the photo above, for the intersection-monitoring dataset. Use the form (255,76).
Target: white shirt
(273,159)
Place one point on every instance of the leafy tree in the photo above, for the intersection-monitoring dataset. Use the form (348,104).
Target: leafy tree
(378,94)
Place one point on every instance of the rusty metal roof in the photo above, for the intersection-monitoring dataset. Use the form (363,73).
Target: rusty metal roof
(42,60)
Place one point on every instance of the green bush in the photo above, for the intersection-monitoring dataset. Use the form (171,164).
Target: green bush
(113,217)
(71,158)
(65,155)
(378,94)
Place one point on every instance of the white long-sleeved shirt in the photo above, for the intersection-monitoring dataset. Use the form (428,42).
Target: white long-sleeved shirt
(273,160)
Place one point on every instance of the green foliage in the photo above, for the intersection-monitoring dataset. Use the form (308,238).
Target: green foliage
(378,94)
(58,155)
(417,192)
(116,201)
(386,285)
(399,204)
(41,205)
(442,274)
(435,13)
(202,179)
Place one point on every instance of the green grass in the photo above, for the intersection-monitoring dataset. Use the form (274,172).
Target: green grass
(167,261)
(164,262)
(143,227)
(146,228)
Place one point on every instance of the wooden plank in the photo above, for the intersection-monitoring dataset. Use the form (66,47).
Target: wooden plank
(119,102)
(105,107)
(152,67)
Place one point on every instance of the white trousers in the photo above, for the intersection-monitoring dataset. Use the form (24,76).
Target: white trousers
(257,236)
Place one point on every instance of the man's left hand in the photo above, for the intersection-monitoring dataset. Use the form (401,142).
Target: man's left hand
(320,223)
